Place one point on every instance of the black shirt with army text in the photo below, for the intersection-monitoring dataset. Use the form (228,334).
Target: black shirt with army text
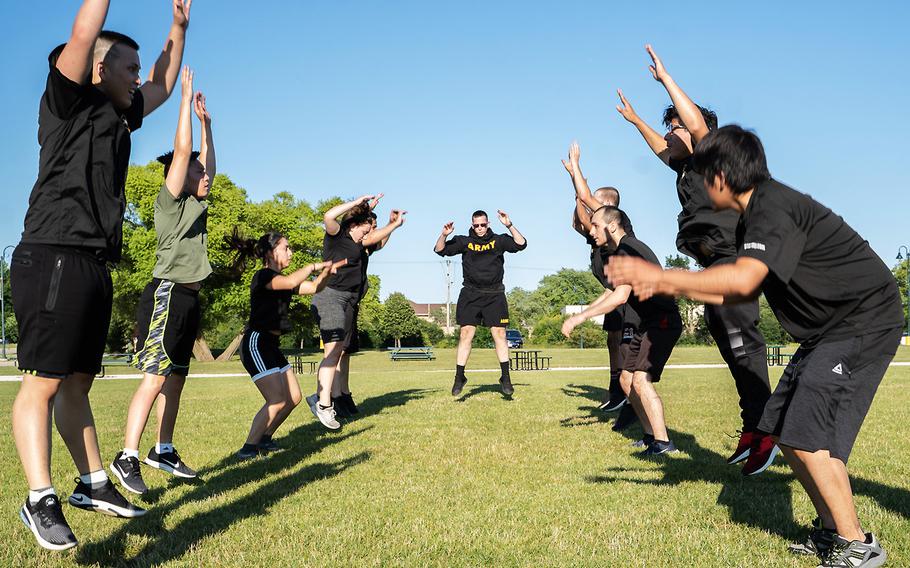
(482,262)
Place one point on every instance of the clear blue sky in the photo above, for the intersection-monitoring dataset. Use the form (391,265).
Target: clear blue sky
(450,108)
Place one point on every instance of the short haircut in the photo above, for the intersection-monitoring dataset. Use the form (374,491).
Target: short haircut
(611,195)
(107,40)
(610,214)
(479,213)
(168,158)
(709,115)
(735,152)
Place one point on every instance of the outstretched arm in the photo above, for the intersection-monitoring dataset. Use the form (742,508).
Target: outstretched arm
(573,166)
(655,140)
(516,235)
(606,303)
(447,230)
(331,216)
(76,58)
(317,285)
(581,219)
(163,75)
(689,114)
(381,236)
(207,145)
(183,141)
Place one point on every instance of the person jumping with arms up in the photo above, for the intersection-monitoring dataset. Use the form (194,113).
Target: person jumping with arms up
(61,283)
(482,300)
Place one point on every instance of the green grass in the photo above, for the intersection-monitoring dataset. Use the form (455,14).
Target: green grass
(422,479)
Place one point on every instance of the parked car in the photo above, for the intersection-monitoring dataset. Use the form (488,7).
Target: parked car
(514,339)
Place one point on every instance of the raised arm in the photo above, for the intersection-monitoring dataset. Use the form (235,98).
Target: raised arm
(573,166)
(381,236)
(606,303)
(183,141)
(581,219)
(322,279)
(163,74)
(689,114)
(207,145)
(516,235)
(75,60)
(654,139)
(447,230)
(332,226)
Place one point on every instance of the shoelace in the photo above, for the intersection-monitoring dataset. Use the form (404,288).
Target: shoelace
(49,516)
(132,465)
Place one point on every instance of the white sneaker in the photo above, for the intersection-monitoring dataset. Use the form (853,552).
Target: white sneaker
(326,416)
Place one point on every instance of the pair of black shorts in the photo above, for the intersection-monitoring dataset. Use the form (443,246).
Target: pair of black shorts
(334,311)
(488,308)
(651,345)
(825,392)
(168,316)
(260,353)
(62,298)
(352,340)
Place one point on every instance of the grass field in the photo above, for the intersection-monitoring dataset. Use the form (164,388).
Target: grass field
(422,479)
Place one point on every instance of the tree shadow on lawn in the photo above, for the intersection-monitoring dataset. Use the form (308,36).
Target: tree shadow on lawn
(595,414)
(494,388)
(376,404)
(228,475)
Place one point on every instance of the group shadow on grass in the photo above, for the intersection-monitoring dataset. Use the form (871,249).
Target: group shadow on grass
(764,501)
(228,475)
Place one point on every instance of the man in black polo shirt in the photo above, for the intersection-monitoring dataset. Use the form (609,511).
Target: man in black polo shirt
(832,293)
(708,236)
(482,300)
(61,283)
(653,341)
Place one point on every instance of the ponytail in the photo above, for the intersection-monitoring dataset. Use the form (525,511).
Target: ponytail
(250,248)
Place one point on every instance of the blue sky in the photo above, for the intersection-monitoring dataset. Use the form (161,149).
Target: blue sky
(447,108)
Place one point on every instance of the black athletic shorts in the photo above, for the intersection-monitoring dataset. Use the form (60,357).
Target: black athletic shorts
(488,308)
(334,313)
(825,392)
(260,353)
(62,299)
(352,340)
(652,344)
(168,316)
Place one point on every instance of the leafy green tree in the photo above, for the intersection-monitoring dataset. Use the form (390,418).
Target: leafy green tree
(566,287)
(768,325)
(525,308)
(900,274)
(548,331)
(397,318)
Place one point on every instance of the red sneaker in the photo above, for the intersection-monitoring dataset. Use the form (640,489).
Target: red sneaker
(743,448)
(761,455)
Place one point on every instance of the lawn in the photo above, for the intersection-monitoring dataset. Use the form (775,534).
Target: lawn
(423,479)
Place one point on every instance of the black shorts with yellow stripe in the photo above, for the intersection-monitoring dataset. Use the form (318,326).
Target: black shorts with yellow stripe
(168,317)
(488,308)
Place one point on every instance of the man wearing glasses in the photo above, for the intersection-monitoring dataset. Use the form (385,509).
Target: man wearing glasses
(709,236)
(482,300)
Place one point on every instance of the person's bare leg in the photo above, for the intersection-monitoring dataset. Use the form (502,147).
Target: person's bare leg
(168,406)
(651,404)
(340,384)
(465,339)
(273,390)
(327,369)
(625,381)
(292,397)
(75,423)
(138,414)
(802,474)
(500,343)
(830,478)
(32,412)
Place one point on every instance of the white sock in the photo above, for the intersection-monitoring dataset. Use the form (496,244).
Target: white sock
(35,495)
(128,453)
(94,478)
(163,448)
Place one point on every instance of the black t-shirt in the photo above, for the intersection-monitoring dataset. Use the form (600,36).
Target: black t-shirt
(600,257)
(824,280)
(482,262)
(365,254)
(704,234)
(78,199)
(655,308)
(268,308)
(349,277)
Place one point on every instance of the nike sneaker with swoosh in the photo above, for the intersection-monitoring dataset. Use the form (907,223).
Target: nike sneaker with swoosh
(105,499)
(126,470)
(169,462)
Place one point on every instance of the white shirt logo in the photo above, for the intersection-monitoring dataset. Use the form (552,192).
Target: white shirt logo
(838,369)
(755,246)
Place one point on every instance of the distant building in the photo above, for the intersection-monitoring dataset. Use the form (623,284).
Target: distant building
(425,311)
(572,310)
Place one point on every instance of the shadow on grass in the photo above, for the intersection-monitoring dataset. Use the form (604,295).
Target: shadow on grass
(595,415)
(229,474)
(494,388)
(894,499)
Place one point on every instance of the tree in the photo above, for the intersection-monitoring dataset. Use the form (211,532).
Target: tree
(525,308)
(900,274)
(695,328)
(768,325)
(565,288)
(397,318)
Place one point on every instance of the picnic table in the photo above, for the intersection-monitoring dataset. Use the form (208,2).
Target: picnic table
(300,365)
(115,360)
(411,353)
(775,357)
(529,360)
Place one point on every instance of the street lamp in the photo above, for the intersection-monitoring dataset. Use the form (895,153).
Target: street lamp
(900,257)
(2,297)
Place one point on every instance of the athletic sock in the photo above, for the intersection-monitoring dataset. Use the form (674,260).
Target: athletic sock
(504,367)
(324,407)
(128,453)
(95,479)
(164,447)
(459,371)
(35,495)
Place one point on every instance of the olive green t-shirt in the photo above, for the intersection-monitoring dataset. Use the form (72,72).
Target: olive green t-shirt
(182,238)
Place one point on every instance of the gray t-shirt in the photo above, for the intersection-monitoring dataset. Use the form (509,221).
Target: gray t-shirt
(182,238)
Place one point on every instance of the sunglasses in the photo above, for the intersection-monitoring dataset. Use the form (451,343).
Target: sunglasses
(675,127)
(479,225)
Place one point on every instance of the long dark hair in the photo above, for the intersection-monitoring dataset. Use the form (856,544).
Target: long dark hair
(359,215)
(250,248)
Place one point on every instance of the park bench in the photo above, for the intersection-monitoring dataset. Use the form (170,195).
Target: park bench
(411,353)
(300,365)
(115,360)
(775,357)
(529,360)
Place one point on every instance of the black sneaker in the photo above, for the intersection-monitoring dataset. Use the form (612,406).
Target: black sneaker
(269,446)
(247,453)
(646,440)
(106,499)
(818,543)
(458,385)
(126,470)
(45,520)
(505,384)
(348,401)
(626,418)
(615,403)
(169,462)
(658,448)
(341,409)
